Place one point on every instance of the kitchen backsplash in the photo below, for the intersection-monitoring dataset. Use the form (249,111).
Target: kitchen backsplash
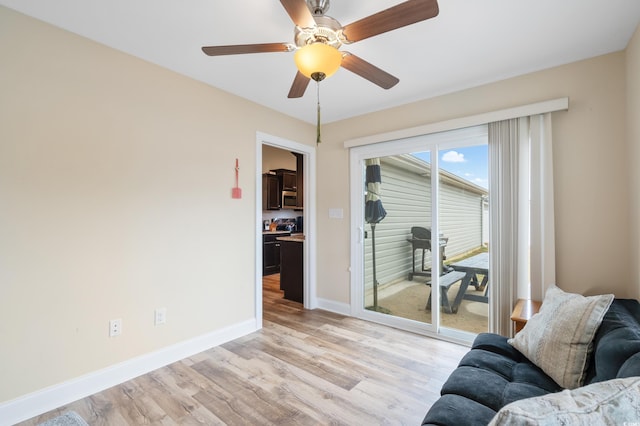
(279,214)
(294,225)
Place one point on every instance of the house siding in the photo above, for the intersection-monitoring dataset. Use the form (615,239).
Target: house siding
(406,196)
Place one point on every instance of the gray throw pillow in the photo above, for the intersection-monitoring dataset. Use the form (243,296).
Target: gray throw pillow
(615,402)
(559,338)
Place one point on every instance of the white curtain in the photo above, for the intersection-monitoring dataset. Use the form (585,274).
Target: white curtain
(522,249)
(543,252)
(504,161)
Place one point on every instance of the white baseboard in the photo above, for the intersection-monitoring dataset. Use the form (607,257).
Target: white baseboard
(333,306)
(47,399)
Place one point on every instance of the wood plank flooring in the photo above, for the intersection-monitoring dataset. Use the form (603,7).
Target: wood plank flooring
(303,368)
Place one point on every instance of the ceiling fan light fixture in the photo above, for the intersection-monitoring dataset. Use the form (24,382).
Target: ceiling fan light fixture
(318,58)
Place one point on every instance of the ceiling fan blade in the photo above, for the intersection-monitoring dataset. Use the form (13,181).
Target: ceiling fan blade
(300,83)
(238,49)
(370,72)
(398,16)
(299,13)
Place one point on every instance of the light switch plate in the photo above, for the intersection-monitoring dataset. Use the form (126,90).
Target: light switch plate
(160,316)
(336,213)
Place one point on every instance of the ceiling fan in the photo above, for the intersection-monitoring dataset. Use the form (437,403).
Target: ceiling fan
(314,29)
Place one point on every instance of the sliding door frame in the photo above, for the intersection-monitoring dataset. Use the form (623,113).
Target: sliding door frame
(433,143)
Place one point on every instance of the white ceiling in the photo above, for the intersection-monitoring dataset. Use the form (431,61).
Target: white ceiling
(471,42)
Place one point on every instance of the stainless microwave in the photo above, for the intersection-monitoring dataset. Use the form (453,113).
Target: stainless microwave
(288,199)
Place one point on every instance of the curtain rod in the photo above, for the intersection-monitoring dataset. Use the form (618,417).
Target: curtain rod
(560,104)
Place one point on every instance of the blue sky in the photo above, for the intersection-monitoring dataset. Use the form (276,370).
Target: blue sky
(470,163)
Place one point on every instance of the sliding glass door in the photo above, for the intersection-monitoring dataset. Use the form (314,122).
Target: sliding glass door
(420,214)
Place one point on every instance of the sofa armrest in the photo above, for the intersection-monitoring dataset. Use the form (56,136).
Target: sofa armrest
(631,367)
(496,344)
(616,346)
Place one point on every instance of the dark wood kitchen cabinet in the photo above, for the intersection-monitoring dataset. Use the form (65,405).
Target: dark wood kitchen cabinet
(291,270)
(271,253)
(299,181)
(287,178)
(289,182)
(270,192)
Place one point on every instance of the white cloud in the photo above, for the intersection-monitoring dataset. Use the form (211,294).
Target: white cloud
(481,182)
(453,157)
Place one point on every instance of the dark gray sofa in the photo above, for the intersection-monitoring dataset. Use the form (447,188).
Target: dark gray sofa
(493,373)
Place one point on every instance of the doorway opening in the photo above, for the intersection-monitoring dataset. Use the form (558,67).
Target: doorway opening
(285,247)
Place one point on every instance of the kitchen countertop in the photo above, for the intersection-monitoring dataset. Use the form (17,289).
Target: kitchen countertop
(275,232)
(296,238)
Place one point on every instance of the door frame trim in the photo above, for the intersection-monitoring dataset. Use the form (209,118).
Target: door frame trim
(309,230)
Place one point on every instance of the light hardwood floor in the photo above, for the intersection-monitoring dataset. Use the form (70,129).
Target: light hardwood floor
(303,368)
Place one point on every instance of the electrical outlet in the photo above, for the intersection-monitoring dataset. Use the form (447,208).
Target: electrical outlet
(160,316)
(115,327)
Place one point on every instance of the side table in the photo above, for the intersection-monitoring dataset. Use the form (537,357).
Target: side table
(524,309)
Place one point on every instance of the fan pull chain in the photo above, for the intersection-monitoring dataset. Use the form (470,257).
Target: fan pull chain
(318,126)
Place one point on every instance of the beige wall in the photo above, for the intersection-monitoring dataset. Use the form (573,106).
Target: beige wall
(115,189)
(633,130)
(275,158)
(591,180)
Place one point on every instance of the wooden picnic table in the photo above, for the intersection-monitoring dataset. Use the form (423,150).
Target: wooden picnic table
(472,266)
